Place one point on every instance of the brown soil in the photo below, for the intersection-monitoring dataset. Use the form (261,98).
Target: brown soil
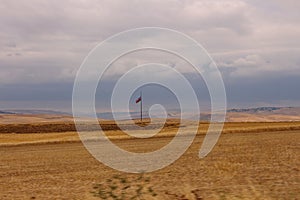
(255,165)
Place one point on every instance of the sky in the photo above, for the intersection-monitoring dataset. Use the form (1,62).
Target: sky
(255,44)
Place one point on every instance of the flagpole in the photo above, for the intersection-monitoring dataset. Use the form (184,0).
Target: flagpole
(141,107)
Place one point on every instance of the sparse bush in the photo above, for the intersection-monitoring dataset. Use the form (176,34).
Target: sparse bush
(123,188)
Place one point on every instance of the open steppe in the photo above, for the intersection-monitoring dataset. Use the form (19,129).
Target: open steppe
(257,160)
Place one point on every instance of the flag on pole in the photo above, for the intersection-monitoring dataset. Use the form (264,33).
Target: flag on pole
(138,100)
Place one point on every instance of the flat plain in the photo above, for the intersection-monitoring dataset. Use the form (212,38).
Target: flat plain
(250,161)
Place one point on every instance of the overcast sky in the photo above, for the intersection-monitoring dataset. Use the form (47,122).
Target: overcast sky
(256,45)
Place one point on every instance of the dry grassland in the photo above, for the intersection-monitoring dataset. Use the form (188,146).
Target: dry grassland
(250,161)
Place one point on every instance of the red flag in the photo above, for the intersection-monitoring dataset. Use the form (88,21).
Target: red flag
(138,100)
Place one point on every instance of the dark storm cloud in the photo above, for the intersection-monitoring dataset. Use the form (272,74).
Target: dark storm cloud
(42,43)
(271,87)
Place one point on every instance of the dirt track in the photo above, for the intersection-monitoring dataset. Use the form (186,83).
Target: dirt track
(241,166)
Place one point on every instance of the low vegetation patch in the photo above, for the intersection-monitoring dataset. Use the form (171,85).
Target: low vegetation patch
(121,188)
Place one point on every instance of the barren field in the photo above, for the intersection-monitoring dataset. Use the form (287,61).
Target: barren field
(250,161)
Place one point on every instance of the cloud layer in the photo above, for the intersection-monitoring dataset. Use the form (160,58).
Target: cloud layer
(44,42)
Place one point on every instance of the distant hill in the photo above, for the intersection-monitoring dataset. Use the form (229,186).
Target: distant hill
(5,112)
(235,114)
(258,114)
(264,114)
(255,110)
(35,112)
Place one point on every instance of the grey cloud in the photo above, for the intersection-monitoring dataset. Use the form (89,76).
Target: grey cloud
(256,62)
(270,87)
(44,42)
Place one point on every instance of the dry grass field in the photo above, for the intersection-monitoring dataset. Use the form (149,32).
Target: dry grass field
(250,161)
